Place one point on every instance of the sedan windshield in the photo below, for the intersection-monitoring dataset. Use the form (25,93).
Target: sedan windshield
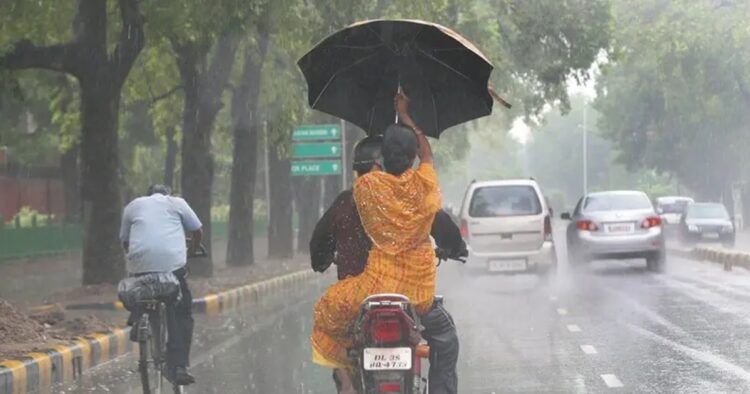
(616,202)
(707,211)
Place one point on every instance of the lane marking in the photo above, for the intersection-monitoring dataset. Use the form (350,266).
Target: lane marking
(612,381)
(709,358)
(588,349)
(574,328)
(562,311)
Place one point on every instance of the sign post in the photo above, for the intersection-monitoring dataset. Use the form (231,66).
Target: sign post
(318,150)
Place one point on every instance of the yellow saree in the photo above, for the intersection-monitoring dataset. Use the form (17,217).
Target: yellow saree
(397,213)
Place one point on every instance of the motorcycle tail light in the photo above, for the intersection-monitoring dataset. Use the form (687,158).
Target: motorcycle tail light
(389,387)
(653,221)
(386,330)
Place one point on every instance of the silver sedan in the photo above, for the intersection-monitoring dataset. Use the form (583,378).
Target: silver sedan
(615,225)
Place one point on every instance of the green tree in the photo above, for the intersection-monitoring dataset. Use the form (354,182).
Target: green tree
(246,126)
(100,63)
(674,95)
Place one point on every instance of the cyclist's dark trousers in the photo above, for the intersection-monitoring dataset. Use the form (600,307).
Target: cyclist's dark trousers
(180,325)
(440,334)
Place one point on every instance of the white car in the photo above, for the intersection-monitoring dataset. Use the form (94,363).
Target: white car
(508,227)
(671,209)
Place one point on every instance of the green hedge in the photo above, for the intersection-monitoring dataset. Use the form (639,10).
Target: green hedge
(59,238)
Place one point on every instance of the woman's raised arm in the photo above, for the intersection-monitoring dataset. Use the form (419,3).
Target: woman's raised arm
(401,104)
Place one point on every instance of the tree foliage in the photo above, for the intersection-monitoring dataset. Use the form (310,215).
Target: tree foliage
(674,97)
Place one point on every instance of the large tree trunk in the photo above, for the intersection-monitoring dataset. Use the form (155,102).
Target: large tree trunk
(280,237)
(170,160)
(244,158)
(101,75)
(307,201)
(197,168)
(71,184)
(203,90)
(102,256)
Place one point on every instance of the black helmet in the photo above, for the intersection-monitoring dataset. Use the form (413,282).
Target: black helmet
(159,188)
(367,153)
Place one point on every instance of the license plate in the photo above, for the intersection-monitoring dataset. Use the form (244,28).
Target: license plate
(620,228)
(507,265)
(711,235)
(386,359)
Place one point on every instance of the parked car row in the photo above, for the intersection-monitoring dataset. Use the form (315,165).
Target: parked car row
(508,226)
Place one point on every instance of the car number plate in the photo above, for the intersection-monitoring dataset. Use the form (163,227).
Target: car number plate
(386,359)
(507,265)
(711,235)
(620,228)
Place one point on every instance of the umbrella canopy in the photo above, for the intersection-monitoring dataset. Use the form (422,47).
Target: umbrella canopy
(354,73)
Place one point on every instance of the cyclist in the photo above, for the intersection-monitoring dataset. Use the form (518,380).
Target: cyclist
(153,234)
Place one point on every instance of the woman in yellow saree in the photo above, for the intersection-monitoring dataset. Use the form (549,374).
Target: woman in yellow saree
(397,208)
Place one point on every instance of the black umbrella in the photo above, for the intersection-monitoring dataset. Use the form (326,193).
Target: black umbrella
(354,73)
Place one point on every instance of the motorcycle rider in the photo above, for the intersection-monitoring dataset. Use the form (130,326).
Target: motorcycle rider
(340,238)
(153,234)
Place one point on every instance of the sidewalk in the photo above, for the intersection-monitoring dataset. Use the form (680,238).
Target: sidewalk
(56,280)
(34,281)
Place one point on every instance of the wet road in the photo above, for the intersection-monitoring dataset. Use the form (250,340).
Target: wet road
(612,328)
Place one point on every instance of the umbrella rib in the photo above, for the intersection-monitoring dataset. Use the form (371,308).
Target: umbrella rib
(446,66)
(336,74)
(356,47)
(382,41)
(442,63)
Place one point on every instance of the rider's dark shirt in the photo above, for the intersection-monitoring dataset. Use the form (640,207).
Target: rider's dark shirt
(339,238)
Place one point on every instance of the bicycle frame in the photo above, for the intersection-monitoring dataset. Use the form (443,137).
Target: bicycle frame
(151,328)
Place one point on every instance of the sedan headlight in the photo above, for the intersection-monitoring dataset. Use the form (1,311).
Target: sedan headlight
(692,228)
(727,229)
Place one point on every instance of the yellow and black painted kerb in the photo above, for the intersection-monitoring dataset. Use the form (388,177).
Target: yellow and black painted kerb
(63,363)
(39,370)
(227,300)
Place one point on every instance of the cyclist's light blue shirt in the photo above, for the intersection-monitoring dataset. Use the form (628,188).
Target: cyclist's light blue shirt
(155,227)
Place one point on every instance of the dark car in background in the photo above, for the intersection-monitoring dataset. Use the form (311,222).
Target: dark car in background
(707,222)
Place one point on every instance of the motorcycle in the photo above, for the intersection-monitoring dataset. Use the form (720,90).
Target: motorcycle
(388,350)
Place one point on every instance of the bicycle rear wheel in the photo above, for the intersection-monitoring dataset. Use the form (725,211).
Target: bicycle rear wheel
(152,350)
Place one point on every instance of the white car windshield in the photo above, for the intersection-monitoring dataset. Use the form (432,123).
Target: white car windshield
(674,207)
(494,201)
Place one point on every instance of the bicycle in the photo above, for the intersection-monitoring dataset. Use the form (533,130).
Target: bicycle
(151,335)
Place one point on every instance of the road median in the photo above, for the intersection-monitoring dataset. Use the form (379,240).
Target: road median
(38,370)
(729,259)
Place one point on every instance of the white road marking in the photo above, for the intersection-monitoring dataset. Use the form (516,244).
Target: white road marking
(709,358)
(574,328)
(562,311)
(588,349)
(612,381)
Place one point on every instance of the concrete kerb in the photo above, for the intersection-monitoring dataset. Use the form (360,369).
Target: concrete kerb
(63,363)
(727,258)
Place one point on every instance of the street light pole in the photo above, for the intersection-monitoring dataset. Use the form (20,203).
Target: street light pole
(585,153)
